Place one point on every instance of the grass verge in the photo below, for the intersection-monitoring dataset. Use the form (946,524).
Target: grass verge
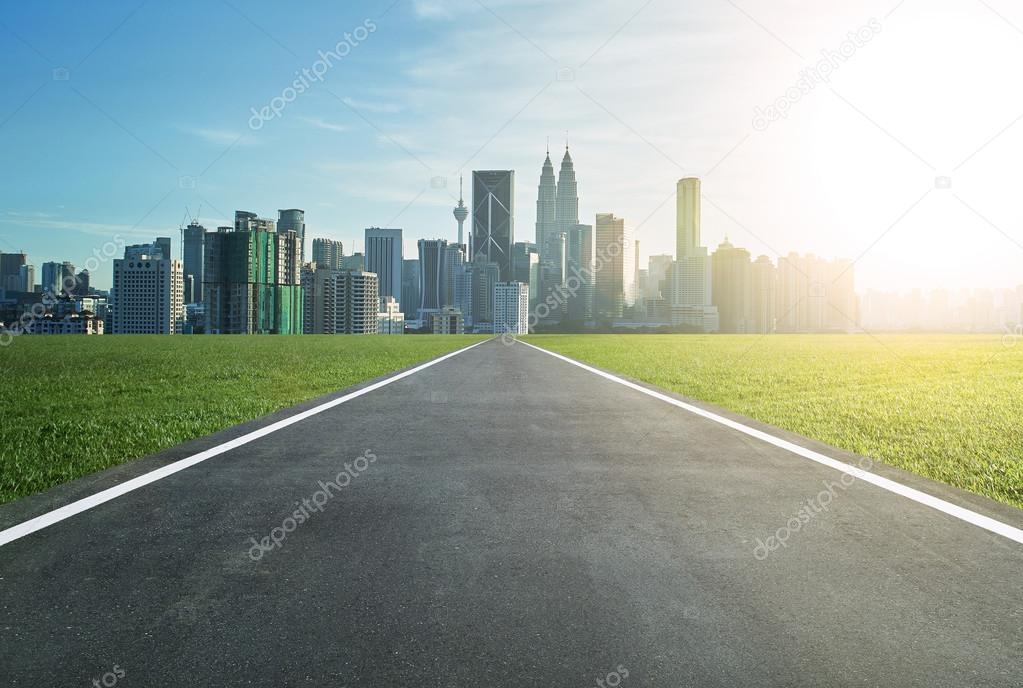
(948,407)
(75,405)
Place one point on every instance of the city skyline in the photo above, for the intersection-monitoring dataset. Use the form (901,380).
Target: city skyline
(792,182)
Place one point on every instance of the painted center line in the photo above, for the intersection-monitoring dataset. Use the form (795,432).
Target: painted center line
(57,515)
(972,517)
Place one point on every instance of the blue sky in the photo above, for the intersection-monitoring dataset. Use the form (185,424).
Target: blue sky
(154,117)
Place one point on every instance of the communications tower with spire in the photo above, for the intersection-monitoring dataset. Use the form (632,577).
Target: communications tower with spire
(461,213)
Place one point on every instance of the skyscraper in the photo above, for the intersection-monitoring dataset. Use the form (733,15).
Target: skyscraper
(461,213)
(147,296)
(27,278)
(10,270)
(432,280)
(579,278)
(252,279)
(691,298)
(763,292)
(191,253)
(339,301)
(615,273)
(293,220)
(547,228)
(731,290)
(454,260)
(328,253)
(410,297)
(568,195)
(687,216)
(383,258)
(51,278)
(493,218)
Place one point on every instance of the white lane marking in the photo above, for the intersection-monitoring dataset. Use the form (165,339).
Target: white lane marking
(48,519)
(959,512)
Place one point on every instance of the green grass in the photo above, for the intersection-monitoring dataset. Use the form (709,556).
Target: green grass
(949,407)
(75,405)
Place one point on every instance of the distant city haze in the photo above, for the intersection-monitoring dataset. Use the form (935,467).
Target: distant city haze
(860,131)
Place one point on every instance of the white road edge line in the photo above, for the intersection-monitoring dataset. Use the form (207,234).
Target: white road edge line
(67,511)
(959,512)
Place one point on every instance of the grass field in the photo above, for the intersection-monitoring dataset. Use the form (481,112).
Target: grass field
(75,405)
(949,407)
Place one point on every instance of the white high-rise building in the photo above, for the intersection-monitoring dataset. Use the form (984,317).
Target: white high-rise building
(390,319)
(147,296)
(511,308)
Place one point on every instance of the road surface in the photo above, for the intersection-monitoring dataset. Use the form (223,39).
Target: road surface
(508,519)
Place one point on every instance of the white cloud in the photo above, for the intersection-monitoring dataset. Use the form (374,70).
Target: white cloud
(223,137)
(368,106)
(323,124)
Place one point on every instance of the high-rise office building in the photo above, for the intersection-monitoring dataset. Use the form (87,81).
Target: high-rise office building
(511,308)
(252,279)
(10,270)
(339,301)
(614,276)
(454,260)
(191,253)
(383,258)
(27,278)
(293,220)
(687,216)
(432,280)
(731,288)
(580,277)
(51,278)
(493,218)
(691,289)
(410,297)
(764,294)
(328,253)
(474,294)
(147,296)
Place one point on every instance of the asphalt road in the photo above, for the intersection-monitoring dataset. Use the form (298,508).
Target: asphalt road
(514,521)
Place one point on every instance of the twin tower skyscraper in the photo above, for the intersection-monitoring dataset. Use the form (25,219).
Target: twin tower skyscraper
(557,211)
